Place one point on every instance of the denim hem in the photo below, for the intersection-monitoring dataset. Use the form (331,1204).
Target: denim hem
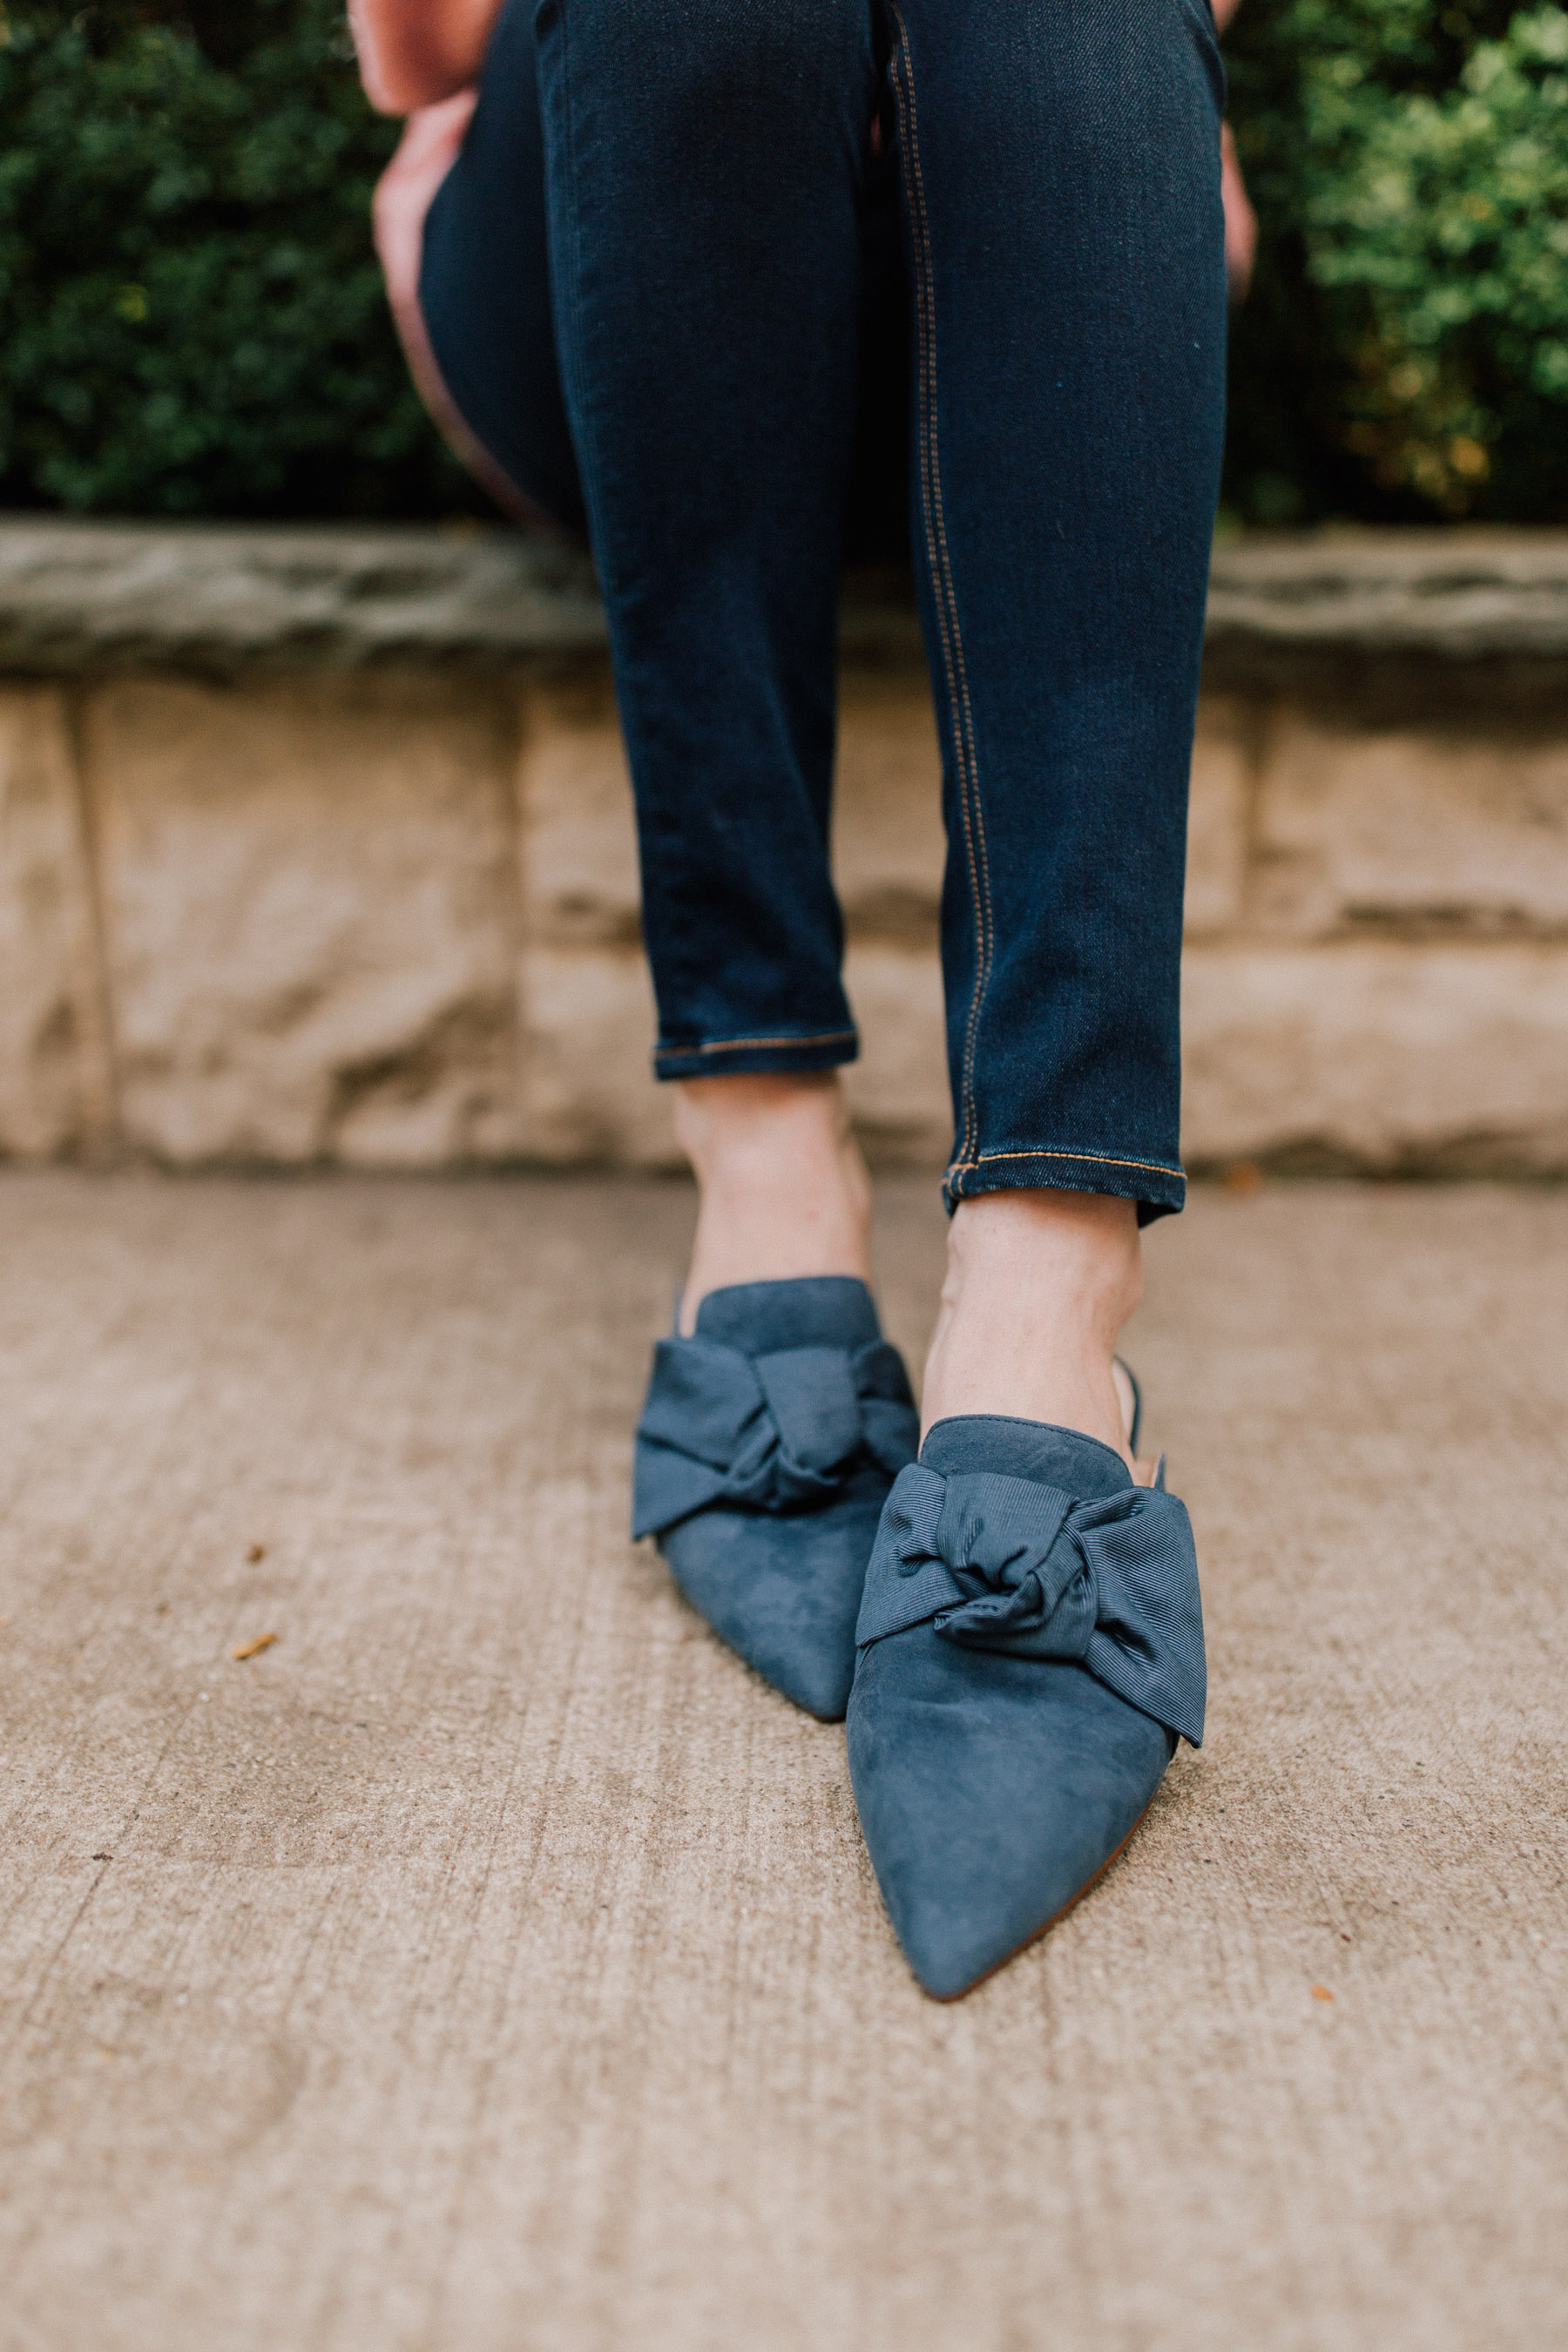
(728,1057)
(1159,1190)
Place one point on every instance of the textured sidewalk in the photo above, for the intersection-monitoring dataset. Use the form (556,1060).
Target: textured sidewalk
(492,1965)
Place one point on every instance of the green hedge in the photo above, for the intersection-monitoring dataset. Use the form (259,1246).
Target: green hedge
(190,317)
(1405,352)
(191,321)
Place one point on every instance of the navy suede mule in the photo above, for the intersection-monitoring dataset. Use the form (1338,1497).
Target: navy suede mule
(767,1445)
(1030,1647)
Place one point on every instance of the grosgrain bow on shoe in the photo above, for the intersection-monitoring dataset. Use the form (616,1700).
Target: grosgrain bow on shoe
(774,1433)
(766,1449)
(1012,1565)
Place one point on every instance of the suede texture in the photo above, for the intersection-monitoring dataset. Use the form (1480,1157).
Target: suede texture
(993,1787)
(780,1579)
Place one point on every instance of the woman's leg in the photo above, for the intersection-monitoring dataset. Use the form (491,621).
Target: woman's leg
(706,176)
(461,234)
(462,231)
(782,1189)
(1062,191)
(1061,161)
(1030,1640)
(703,166)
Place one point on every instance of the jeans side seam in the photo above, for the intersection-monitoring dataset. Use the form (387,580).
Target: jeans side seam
(982,976)
(940,559)
(935,542)
(581,428)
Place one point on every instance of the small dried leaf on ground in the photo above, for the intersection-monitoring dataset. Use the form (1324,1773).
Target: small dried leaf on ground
(256,1551)
(1321,1993)
(1244,1176)
(249,1649)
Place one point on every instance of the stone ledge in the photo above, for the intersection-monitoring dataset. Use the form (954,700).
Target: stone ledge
(219,600)
(93,595)
(1467,594)
(316,849)
(1377,1058)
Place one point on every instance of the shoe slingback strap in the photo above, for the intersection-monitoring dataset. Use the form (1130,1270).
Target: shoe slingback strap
(998,1563)
(774,1433)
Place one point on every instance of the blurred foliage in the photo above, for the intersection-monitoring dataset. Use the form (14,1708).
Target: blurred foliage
(1404,351)
(190,319)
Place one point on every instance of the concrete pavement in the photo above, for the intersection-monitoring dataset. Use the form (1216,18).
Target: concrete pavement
(489,1964)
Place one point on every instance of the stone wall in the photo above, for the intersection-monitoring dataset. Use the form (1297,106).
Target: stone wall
(315,847)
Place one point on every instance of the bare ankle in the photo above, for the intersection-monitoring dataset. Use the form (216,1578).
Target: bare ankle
(1039,1286)
(721,1120)
(785,1190)
(1083,1246)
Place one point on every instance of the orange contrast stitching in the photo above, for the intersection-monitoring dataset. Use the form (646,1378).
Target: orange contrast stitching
(741,1045)
(940,559)
(1089,1159)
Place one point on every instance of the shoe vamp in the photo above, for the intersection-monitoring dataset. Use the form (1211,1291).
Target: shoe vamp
(783,1590)
(992,1789)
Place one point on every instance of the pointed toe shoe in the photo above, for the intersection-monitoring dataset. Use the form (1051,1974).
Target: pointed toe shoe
(766,1449)
(1030,1649)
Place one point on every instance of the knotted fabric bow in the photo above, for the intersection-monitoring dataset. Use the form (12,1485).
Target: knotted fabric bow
(776,1433)
(998,1563)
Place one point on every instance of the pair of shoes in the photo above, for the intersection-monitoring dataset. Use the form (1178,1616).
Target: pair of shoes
(1012,1625)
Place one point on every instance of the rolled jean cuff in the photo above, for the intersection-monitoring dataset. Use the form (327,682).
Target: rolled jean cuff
(1159,1189)
(724,1057)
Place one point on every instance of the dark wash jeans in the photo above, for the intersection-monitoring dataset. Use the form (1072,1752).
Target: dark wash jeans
(693,183)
